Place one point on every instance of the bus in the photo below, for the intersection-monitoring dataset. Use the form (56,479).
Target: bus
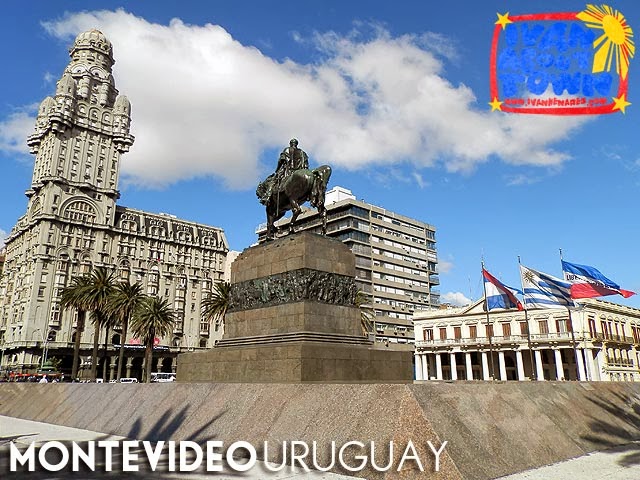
(161,377)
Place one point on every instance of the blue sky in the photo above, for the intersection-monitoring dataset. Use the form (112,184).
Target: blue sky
(392,95)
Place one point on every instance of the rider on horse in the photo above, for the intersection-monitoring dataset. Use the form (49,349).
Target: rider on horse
(291,159)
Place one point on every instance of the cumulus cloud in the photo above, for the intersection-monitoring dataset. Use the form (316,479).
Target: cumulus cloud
(15,129)
(205,104)
(444,266)
(455,298)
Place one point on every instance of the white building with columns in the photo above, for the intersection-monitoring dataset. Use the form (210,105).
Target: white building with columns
(466,344)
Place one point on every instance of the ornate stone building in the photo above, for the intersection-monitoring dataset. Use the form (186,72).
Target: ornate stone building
(73,224)
(463,344)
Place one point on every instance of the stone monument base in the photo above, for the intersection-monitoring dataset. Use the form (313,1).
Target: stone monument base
(292,318)
(297,362)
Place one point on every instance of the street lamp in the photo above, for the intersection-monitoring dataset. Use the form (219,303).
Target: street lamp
(2,347)
(45,350)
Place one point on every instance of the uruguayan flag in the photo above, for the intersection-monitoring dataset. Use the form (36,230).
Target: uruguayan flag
(544,291)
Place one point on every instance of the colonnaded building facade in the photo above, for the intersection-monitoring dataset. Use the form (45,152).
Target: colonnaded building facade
(599,341)
(73,224)
(396,260)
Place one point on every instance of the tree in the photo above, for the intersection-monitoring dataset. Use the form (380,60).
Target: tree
(89,293)
(366,312)
(154,317)
(214,307)
(126,299)
(74,296)
(97,294)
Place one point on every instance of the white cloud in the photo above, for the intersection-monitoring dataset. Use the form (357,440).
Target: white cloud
(444,266)
(204,104)
(455,298)
(15,129)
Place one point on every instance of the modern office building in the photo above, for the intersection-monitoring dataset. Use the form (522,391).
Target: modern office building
(73,224)
(600,341)
(396,260)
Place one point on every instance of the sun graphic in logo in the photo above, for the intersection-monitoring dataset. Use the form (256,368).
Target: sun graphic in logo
(615,43)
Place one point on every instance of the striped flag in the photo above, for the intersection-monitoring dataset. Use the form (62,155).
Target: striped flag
(588,282)
(544,291)
(498,294)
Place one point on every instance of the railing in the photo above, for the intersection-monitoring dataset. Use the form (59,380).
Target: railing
(618,362)
(495,339)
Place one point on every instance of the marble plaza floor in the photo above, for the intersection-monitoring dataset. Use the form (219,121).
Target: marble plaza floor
(620,463)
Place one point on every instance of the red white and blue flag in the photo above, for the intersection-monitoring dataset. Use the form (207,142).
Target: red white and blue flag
(588,282)
(498,294)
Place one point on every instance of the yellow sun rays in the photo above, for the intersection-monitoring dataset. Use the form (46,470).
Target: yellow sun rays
(615,45)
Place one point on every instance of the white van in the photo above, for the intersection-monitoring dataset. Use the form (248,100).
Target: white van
(162,377)
(128,380)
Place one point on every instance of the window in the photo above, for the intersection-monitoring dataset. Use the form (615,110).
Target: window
(592,327)
(428,334)
(524,328)
(561,326)
(543,326)
(457,333)
(473,331)
(443,333)
(489,330)
(506,329)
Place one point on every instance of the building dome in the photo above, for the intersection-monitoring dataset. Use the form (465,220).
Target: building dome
(93,40)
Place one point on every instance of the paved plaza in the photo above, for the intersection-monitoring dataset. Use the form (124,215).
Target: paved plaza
(620,463)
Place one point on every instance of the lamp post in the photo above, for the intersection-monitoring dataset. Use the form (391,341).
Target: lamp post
(45,350)
(2,347)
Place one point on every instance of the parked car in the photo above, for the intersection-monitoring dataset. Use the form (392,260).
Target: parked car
(128,380)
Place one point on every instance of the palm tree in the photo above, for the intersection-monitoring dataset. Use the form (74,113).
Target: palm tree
(97,295)
(126,299)
(366,312)
(154,317)
(73,296)
(214,307)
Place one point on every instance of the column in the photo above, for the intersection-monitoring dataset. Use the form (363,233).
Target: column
(485,366)
(600,365)
(425,367)
(559,367)
(174,365)
(112,367)
(129,365)
(454,367)
(592,371)
(580,359)
(438,367)
(418,360)
(539,369)
(467,357)
(520,365)
(503,367)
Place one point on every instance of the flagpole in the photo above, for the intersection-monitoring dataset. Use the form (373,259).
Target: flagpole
(489,326)
(573,335)
(534,372)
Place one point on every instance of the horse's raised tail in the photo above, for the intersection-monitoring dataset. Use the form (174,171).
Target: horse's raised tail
(320,181)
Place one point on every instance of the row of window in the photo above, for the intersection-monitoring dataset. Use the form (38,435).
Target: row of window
(562,326)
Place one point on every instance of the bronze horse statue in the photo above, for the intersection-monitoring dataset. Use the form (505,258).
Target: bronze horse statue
(301,186)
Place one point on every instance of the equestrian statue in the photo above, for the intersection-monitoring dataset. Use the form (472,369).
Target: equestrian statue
(292,184)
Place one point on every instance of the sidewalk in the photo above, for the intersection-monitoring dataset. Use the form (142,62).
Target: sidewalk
(607,464)
(599,465)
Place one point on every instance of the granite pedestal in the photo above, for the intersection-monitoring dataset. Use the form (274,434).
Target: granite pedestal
(292,318)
